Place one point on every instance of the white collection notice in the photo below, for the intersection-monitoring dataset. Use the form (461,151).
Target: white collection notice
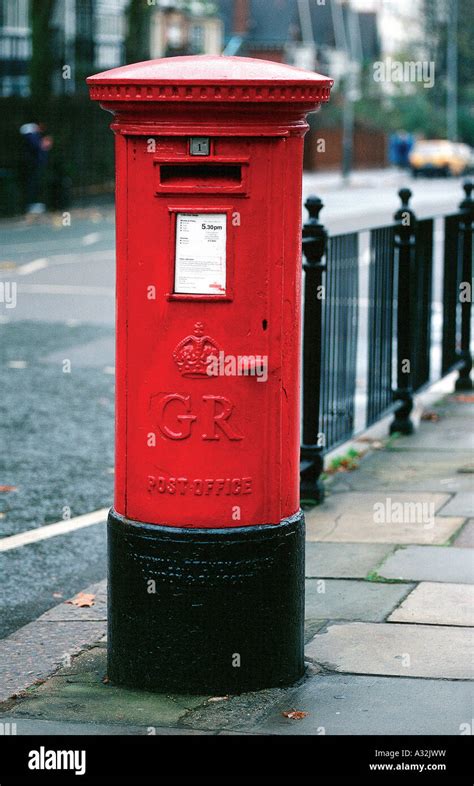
(200,260)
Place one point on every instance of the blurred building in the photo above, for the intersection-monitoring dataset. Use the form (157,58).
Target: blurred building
(300,32)
(399,23)
(336,37)
(15,47)
(91,35)
(185,28)
(85,34)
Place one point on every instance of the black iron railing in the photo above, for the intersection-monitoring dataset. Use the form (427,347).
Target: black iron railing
(339,339)
(451,305)
(380,323)
(396,343)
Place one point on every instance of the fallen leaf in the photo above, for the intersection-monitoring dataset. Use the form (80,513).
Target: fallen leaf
(430,415)
(218,698)
(374,443)
(295,714)
(7,488)
(82,599)
(105,680)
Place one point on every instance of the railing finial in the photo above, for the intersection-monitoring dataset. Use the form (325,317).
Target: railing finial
(467,202)
(314,205)
(314,234)
(405,211)
(405,195)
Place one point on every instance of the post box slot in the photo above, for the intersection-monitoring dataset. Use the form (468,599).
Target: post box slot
(200,175)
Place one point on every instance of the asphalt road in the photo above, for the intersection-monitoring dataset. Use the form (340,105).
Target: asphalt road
(371,198)
(56,405)
(57,379)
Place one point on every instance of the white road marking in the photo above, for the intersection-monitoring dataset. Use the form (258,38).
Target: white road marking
(17,364)
(90,239)
(51,530)
(64,289)
(32,267)
(73,257)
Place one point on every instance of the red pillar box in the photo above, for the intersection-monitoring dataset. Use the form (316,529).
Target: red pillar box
(206,537)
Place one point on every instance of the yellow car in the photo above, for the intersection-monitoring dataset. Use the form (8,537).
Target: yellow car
(440,157)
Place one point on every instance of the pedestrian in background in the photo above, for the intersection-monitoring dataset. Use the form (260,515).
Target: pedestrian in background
(36,147)
(400,145)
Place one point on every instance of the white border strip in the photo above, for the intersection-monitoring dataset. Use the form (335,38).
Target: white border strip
(32,267)
(50,530)
(64,289)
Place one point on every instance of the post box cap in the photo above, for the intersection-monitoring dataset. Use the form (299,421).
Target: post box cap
(210,78)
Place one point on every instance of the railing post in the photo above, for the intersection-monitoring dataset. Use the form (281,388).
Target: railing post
(405,253)
(464,381)
(314,248)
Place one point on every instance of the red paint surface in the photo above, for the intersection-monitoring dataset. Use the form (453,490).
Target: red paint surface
(192,449)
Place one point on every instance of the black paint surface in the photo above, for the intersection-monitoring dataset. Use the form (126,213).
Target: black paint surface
(187,605)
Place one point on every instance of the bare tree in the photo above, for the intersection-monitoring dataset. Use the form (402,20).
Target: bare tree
(137,44)
(42,57)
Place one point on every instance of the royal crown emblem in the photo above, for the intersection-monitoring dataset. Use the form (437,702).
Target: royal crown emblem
(193,354)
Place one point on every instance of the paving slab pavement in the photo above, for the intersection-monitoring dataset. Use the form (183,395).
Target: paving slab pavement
(429,563)
(455,437)
(33,727)
(362,517)
(465,539)
(346,599)
(80,694)
(437,604)
(462,504)
(395,649)
(349,704)
(403,469)
(344,560)
(311,627)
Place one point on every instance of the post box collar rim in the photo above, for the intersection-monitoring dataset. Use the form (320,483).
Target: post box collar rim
(209,77)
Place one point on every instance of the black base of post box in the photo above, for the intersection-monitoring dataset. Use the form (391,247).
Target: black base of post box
(205,610)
